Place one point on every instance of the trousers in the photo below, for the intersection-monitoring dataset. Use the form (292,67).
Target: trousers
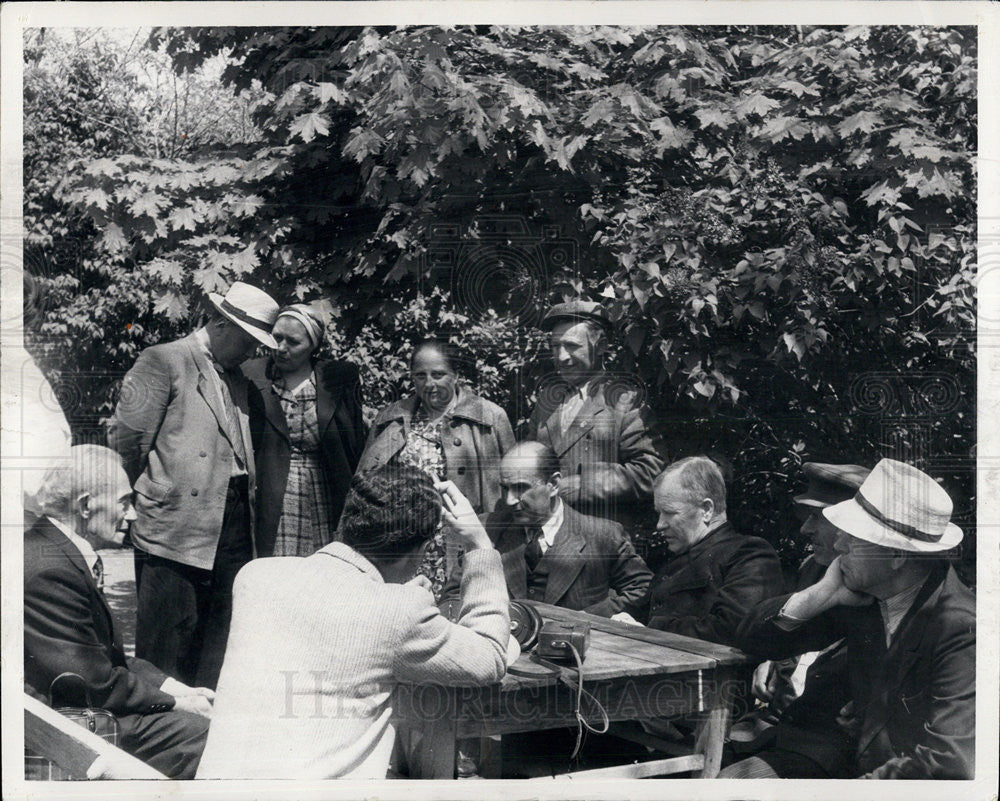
(171,742)
(183,612)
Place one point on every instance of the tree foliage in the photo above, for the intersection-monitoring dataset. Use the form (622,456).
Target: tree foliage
(781,219)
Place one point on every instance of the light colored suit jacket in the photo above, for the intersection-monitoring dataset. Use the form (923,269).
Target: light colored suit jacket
(170,428)
(317,647)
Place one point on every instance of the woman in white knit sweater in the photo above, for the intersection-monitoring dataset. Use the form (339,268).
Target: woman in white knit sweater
(319,643)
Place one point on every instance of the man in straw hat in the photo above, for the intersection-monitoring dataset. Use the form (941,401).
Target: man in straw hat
(909,625)
(182,426)
(595,422)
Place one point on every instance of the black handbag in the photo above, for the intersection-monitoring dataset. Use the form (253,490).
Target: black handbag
(70,697)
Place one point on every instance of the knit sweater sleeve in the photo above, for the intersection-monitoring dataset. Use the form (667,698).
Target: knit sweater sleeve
(430,649)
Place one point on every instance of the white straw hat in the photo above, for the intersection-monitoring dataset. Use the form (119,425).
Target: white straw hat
(901,507)
(250,308)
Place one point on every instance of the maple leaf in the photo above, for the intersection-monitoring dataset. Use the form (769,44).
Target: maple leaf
(95,197)
(166,271)
(171,303)
(183,218)
(306,126)
(671,137)
(779,128)
(362,143)
(865,121)
(214,276)
(714,115)
(103,167)
(797,88)
(330,91)
(755,104)
(601,110)
(880,192)
(149,204)
(113,239)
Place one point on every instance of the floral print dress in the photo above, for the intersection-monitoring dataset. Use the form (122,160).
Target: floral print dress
(423,450)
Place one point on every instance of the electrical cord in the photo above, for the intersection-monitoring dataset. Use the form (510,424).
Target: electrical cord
(581,721)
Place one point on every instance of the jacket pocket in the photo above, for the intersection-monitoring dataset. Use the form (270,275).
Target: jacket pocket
(153,490)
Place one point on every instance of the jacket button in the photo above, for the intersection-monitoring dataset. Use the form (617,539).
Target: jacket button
(194,492)
(457,442)
(461,471)
(203,454)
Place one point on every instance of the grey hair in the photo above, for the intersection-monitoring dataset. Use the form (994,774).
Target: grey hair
(700,478)
(90,470)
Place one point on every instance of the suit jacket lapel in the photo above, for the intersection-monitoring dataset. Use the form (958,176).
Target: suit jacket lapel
(555,432)
(904,650)
(564,557)
(207,388)
(581,425)
(60,541)
(511,543)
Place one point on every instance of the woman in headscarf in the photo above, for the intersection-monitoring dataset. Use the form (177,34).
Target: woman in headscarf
(309,445)
(449,432)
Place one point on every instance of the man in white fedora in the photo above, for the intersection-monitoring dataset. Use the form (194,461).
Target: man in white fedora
(183,428)
(910,628)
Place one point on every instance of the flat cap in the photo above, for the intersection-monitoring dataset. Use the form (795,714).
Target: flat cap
(831,483)
(576,310)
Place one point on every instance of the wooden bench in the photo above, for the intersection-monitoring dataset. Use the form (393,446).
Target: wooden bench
(80,753)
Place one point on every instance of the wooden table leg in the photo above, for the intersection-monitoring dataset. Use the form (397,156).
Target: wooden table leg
(712,730)
(490,756)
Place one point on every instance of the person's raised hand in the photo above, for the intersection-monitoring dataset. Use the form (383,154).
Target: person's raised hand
(461,518)
(420,580)
(832,586)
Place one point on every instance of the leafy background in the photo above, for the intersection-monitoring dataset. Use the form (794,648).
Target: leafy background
(780,219)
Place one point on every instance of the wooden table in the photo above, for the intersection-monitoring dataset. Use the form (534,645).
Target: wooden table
(636,673)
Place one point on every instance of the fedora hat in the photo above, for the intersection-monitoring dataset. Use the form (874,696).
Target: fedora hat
(901,507)
(830,483)
(250,308)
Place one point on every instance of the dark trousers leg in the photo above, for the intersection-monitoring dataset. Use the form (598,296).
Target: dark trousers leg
(233,552)
(183,612)
(171,742)
(167,612)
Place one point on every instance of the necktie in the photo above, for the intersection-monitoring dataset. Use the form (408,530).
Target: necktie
(570,408)
(98,571)
(533,550)
(232,418)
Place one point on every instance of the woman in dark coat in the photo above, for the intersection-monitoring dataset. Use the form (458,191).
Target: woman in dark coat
(311,440)
(449,432)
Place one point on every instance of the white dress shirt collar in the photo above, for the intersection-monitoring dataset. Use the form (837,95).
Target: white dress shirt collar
(551,526)
(86,550)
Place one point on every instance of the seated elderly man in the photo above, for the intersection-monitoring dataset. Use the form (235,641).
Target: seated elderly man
(318,644)
(69,628)
(909,625)
(713,574)
(552,553)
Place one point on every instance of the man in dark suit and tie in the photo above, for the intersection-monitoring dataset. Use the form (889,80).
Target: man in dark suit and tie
(551,552)
(68,627)
(183,428)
